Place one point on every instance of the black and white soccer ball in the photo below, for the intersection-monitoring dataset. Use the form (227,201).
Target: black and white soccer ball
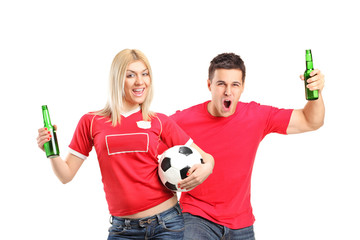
(174,164)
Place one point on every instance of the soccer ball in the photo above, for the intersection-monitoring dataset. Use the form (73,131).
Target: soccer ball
(174,165)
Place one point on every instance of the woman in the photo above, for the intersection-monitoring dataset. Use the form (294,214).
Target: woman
(126,135)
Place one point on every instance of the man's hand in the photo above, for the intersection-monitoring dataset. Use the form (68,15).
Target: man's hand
(316,81)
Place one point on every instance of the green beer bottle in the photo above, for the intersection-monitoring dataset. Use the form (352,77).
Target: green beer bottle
(310,95)
(51,147)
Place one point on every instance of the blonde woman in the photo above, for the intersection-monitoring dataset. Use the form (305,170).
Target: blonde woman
(125,135)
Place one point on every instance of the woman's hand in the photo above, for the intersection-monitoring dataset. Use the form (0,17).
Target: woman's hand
(198,173)
(43,137)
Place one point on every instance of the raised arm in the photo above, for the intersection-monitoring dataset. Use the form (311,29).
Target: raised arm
(66,169)
(311,117)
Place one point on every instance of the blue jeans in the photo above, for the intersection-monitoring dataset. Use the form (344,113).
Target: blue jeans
(167,225)
(198,228)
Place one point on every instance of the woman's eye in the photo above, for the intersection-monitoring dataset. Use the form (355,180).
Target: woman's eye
(131,75)
(145,74)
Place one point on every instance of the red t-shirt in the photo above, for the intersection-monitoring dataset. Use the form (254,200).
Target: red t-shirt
(224,197)
(127,157)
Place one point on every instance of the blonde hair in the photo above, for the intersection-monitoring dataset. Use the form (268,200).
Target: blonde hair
(117,77)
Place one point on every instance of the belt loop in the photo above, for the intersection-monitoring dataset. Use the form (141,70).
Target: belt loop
(178,207)
(159,219)
(127,224)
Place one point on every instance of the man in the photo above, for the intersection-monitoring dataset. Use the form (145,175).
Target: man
(231,132)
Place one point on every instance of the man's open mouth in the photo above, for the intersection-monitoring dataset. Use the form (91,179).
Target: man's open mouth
(227,104)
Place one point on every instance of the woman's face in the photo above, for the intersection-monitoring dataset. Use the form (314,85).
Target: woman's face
(137,83)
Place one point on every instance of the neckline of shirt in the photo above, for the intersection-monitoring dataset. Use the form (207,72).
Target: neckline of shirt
(129,113)
(237,110)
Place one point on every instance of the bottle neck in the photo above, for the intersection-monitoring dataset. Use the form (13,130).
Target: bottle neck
(308,59)
(46,116)
(309,65)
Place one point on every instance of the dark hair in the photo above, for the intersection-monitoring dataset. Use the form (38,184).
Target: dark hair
(227,61)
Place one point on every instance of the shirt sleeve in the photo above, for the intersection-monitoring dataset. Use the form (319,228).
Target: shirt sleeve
(172,134)
(277,120)
(82,142)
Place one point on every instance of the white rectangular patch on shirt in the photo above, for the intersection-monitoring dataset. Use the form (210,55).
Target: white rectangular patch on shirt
(127,143)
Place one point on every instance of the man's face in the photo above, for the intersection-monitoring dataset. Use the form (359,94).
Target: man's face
(226,88)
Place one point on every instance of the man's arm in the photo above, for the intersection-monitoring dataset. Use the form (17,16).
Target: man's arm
(311,117)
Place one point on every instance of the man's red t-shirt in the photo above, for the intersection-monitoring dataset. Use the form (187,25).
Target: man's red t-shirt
(224,197)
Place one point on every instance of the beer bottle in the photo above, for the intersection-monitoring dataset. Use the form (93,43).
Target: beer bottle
(310,95)
(51,147)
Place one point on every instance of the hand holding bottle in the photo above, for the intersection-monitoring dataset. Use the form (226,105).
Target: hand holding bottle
(44,136)
(51,146)
(316,80)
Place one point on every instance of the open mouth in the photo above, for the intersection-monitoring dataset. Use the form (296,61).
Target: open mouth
(138,91)
(227,104)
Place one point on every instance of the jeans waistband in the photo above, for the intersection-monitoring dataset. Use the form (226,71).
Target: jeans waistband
(143,222)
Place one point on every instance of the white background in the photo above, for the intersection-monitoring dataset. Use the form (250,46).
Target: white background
(59,53)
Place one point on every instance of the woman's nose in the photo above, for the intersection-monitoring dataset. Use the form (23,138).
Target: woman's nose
(139,80)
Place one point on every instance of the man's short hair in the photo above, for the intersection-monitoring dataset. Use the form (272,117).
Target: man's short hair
(227,61)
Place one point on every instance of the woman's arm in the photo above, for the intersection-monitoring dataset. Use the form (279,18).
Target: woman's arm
(66,169)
